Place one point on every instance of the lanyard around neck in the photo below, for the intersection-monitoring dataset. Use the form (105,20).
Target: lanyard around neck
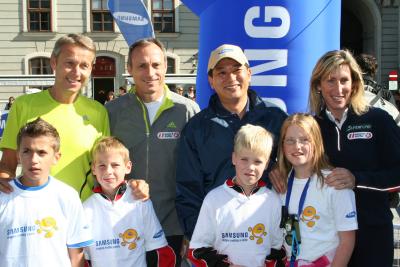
(295,244)
(302,197)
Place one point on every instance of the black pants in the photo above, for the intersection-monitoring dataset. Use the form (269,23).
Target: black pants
(374,247)
(175,242)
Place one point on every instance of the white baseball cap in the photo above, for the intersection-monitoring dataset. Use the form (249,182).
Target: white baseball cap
(226,51)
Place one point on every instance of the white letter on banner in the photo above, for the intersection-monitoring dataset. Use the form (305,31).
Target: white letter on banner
(267,31)
(277,58)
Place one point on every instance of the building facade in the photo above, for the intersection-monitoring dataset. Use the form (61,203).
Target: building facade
(29,29)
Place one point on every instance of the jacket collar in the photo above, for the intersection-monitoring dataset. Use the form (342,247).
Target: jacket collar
(120,192)
(167,100)
(253,102)
(232,184)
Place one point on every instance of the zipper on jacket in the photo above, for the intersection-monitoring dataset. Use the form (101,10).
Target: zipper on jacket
(338,137)
(167,103)
(146,122)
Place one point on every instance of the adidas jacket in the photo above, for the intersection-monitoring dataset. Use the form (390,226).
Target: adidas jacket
(152,148)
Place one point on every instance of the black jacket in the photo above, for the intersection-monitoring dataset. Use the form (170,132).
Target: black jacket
(205,151)
(368,146)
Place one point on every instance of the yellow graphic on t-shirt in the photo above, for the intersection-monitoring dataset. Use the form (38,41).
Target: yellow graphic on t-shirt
(47,225)
(309,216)
(130,236)
(257,232)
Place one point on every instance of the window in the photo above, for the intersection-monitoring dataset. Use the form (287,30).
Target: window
(163,15)
(171,65)
(102,20)
(39,15)
(40,66)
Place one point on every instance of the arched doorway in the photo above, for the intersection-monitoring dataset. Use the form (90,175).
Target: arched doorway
(103,74)
(351,32)
(361,28)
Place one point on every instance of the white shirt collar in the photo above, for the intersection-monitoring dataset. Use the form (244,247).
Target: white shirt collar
(332,118)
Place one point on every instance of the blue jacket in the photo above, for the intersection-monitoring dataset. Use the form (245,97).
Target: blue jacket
(368,146)
(205,151)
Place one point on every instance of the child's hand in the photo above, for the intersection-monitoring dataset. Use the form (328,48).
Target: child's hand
(140,189)
(277,180)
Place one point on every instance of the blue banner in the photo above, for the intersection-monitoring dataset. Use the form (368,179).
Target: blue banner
(281,39)
(132,18)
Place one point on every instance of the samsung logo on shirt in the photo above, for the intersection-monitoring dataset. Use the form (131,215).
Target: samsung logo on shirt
(235,235)
(351,215)
(107,242)
(21,230)
(359,135)
(159,234)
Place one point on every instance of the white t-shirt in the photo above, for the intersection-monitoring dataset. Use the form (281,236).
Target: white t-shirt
(325,212)
(153,107)
(39,224)
(244,228)
(123,230)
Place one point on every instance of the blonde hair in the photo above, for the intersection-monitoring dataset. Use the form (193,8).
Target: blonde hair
(110,143)
(254,138)
(73,39)
(310,126)
(325,66)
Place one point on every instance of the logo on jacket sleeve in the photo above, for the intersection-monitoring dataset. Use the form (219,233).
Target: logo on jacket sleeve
(257,233)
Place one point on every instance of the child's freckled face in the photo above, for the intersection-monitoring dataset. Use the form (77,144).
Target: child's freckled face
(249,167)
(297,147)
(110,169)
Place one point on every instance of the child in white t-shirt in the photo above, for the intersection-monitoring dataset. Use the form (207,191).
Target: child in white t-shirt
(126,231)
(320,221)
(41,221)
(238,224)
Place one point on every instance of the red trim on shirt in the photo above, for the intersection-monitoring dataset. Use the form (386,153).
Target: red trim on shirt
(120,192)
(196,262)
(166,257)
(231,183)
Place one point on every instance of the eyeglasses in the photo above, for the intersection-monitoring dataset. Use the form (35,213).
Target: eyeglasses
(293,141)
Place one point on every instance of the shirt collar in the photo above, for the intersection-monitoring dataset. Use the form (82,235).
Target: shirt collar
(339,124)
(120,192)
(231,183)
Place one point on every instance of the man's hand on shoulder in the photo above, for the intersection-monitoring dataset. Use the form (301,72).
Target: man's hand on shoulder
(140,189)
(5,186)
(277,180)
(8,165)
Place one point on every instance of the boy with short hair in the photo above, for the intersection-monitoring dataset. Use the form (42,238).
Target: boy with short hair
(126,231)
(42,221)
(239,221)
